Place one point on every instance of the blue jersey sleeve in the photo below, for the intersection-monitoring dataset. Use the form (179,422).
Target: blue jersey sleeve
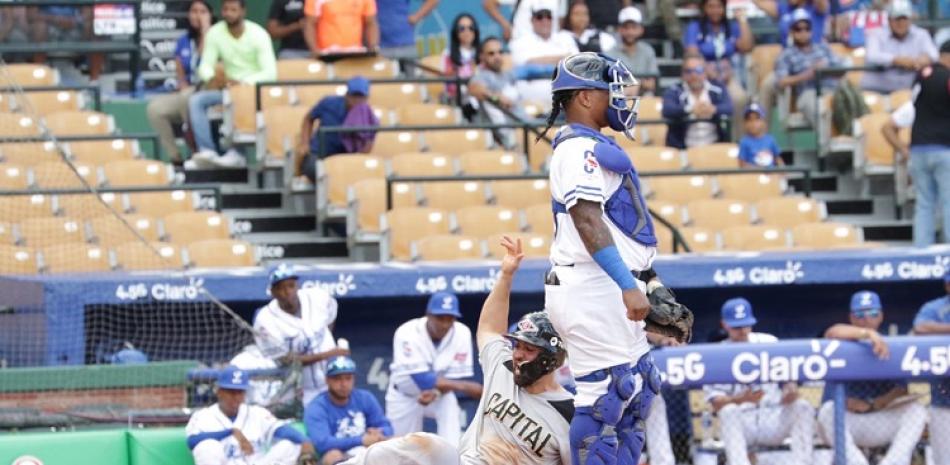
(691,35)
(425,380)
(929,312)
(375,418)
(320,424)
(291,434)
(745,150)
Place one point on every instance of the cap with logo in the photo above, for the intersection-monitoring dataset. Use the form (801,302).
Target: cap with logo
(232,377)
(754,108)
(357,85)
(537,6)
(630,13)
(801,14)
(341,365)
(280,273)
(737,313)
(865,300)
(900,9)
(444,303)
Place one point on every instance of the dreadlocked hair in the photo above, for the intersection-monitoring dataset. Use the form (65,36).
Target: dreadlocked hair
(559,101)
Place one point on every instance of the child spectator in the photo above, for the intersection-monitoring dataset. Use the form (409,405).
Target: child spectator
(757,148)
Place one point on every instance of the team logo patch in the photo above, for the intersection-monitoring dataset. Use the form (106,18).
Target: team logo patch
(406,349)
(527,325)
(590,162)
(460,356)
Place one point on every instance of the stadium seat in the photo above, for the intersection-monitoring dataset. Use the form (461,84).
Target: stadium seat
(444,247)
(366,200)
(396,95)
(664,239)
(29,153)
(75,258)
(876,102)
(429,114)
(309,95)
(787,212)
(762,62)
(874,154)
(42,232)
(47,102)
(159,204)
(486,220)
(754,237)
(533,245)
(647,159)
(679,189)
(13,177)
(391,143)
(422,164)
(100,152)
(111,230)
(337,172)
(403,194)
(520,193)
(6,234)
(700,239)
(457,140)
(60,175)
(538,152)
(79,123)
(492,162)
(221,253)
(539,218)
(279,131)
(669,211)
(899,98)
(17,208)
(436,62)
(29,75)
(17,260)
(188,227)
(302,70)
(369,67)
(751,187)
(655,134)
(137,173)
(717,214)
(650,108)
(826,236)
(450,195)
(87,206)
(713,156)
(241,113)
(404,225)
(14,125)
(139,256)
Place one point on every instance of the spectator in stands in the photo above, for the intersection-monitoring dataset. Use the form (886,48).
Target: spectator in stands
(696,108)
(758,148)
(166,112)
(718,40)
(783,11)
(461,58)
(343,420)
(340,26)
(246,56)
(577,26)
(231,432)
(351,109)
(637,56)
(285,23)
(797,64)
(396,26)
(496,85)
(903,46)
(930,148)
(855,21)
(933,318)
(873,418)
(520,21)
(759,413)
(901,118)
(13,24)
(536,53)
(65,24)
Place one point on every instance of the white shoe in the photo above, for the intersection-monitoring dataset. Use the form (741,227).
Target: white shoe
(191,165)
(202,160)
(231,159)
(301,183)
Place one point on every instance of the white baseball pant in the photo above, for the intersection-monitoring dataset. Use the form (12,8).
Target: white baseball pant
(900,427)
(940,428)
(741,426)
(406,414)
(211,452)
(412,449)
(658,444)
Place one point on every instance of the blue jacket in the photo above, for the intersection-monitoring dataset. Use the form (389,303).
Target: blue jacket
(674,109)
(331,426)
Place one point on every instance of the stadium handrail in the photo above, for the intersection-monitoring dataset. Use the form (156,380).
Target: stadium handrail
(147,136)
(214,188)
(339,82)
(94,90)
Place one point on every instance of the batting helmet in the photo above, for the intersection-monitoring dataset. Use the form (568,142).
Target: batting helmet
(536,329)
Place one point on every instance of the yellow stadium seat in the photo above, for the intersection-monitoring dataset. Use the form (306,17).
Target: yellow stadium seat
(436,62)
(826,236)
(679,189)
(899,98)
(533,245)
(124,173)
(17,260)
(281,130)
(655,133)
(492,162)
(876,102)
(751,187)
(59,175)
(395,95)
(658,158)
(787,212)
(17,208)
(486,220)
(754,237)
(159,204)
(538,152)
(449,195)
(29,75)
(763,58)
(391,143)
(29,153)
(337,172)
(404,225)
(311,94)
(221,253)
(139,256)
(41,232)
(422,164)
(717,214)
(6,234)
(650,108)
(669,211)
(13,177)
(100,152)
(664,239)
(14,125)
(520,193)
(457,140)
(700,239)
(875,151)
(188,227)
(713,156)
(75,258)
(46,102)
(369,67)
(366,200)
(79,123)
(240,101)
(427,114)
(87,206)
(445,247)
(539,218)
(111,230)
(302,70)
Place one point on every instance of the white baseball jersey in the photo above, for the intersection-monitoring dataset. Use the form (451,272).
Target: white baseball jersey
(256,423)
(263,392)
(414,352)
(772,392)
(511,425)
(278,333)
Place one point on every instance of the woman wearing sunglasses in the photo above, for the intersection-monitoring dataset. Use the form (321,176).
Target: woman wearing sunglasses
(460,58)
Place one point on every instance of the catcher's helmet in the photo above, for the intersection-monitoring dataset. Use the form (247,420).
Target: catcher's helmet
(536,329)
(589,70)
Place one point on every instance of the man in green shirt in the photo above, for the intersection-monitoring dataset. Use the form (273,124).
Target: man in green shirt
(235,52)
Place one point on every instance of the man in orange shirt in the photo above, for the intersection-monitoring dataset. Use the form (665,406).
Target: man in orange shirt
(341,26)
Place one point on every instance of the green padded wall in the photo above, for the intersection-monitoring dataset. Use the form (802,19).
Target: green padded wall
(80,448)
(161,446)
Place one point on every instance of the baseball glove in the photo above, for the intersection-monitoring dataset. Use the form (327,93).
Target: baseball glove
(307,459)
(667,316)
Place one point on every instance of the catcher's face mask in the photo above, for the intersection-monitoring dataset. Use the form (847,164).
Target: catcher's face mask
(589,70)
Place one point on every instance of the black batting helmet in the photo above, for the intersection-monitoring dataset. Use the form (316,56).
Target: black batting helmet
(536,329)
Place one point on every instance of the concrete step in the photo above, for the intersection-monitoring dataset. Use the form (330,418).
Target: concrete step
(252,198)
(248,221)
(217,176)
(281,245)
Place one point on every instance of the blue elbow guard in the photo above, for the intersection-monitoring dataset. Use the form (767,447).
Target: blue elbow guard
(609,259)
(425,380)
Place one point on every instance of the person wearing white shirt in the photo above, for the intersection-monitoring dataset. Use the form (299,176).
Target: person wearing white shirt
(536,53)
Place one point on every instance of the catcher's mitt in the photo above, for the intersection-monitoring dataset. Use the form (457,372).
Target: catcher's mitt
(307,459)
(667,316)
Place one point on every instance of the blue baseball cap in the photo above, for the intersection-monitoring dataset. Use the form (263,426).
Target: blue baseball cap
(801,14)
(282,272)
(444,303)
(737,313)
(754,108)
(357,86)
(865,300)
(232,377)
(341,366)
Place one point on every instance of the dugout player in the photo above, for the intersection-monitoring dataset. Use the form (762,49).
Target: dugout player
(431,356)
(231,432)
(525,413)
(295,327)
(758,413)
(934,318)
(871,419)
(603,240)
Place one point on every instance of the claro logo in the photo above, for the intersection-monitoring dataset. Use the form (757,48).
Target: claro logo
(762,367)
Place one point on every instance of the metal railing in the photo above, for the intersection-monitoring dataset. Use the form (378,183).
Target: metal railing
(94,90)
(342,82)
(215,189)
(141,136)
